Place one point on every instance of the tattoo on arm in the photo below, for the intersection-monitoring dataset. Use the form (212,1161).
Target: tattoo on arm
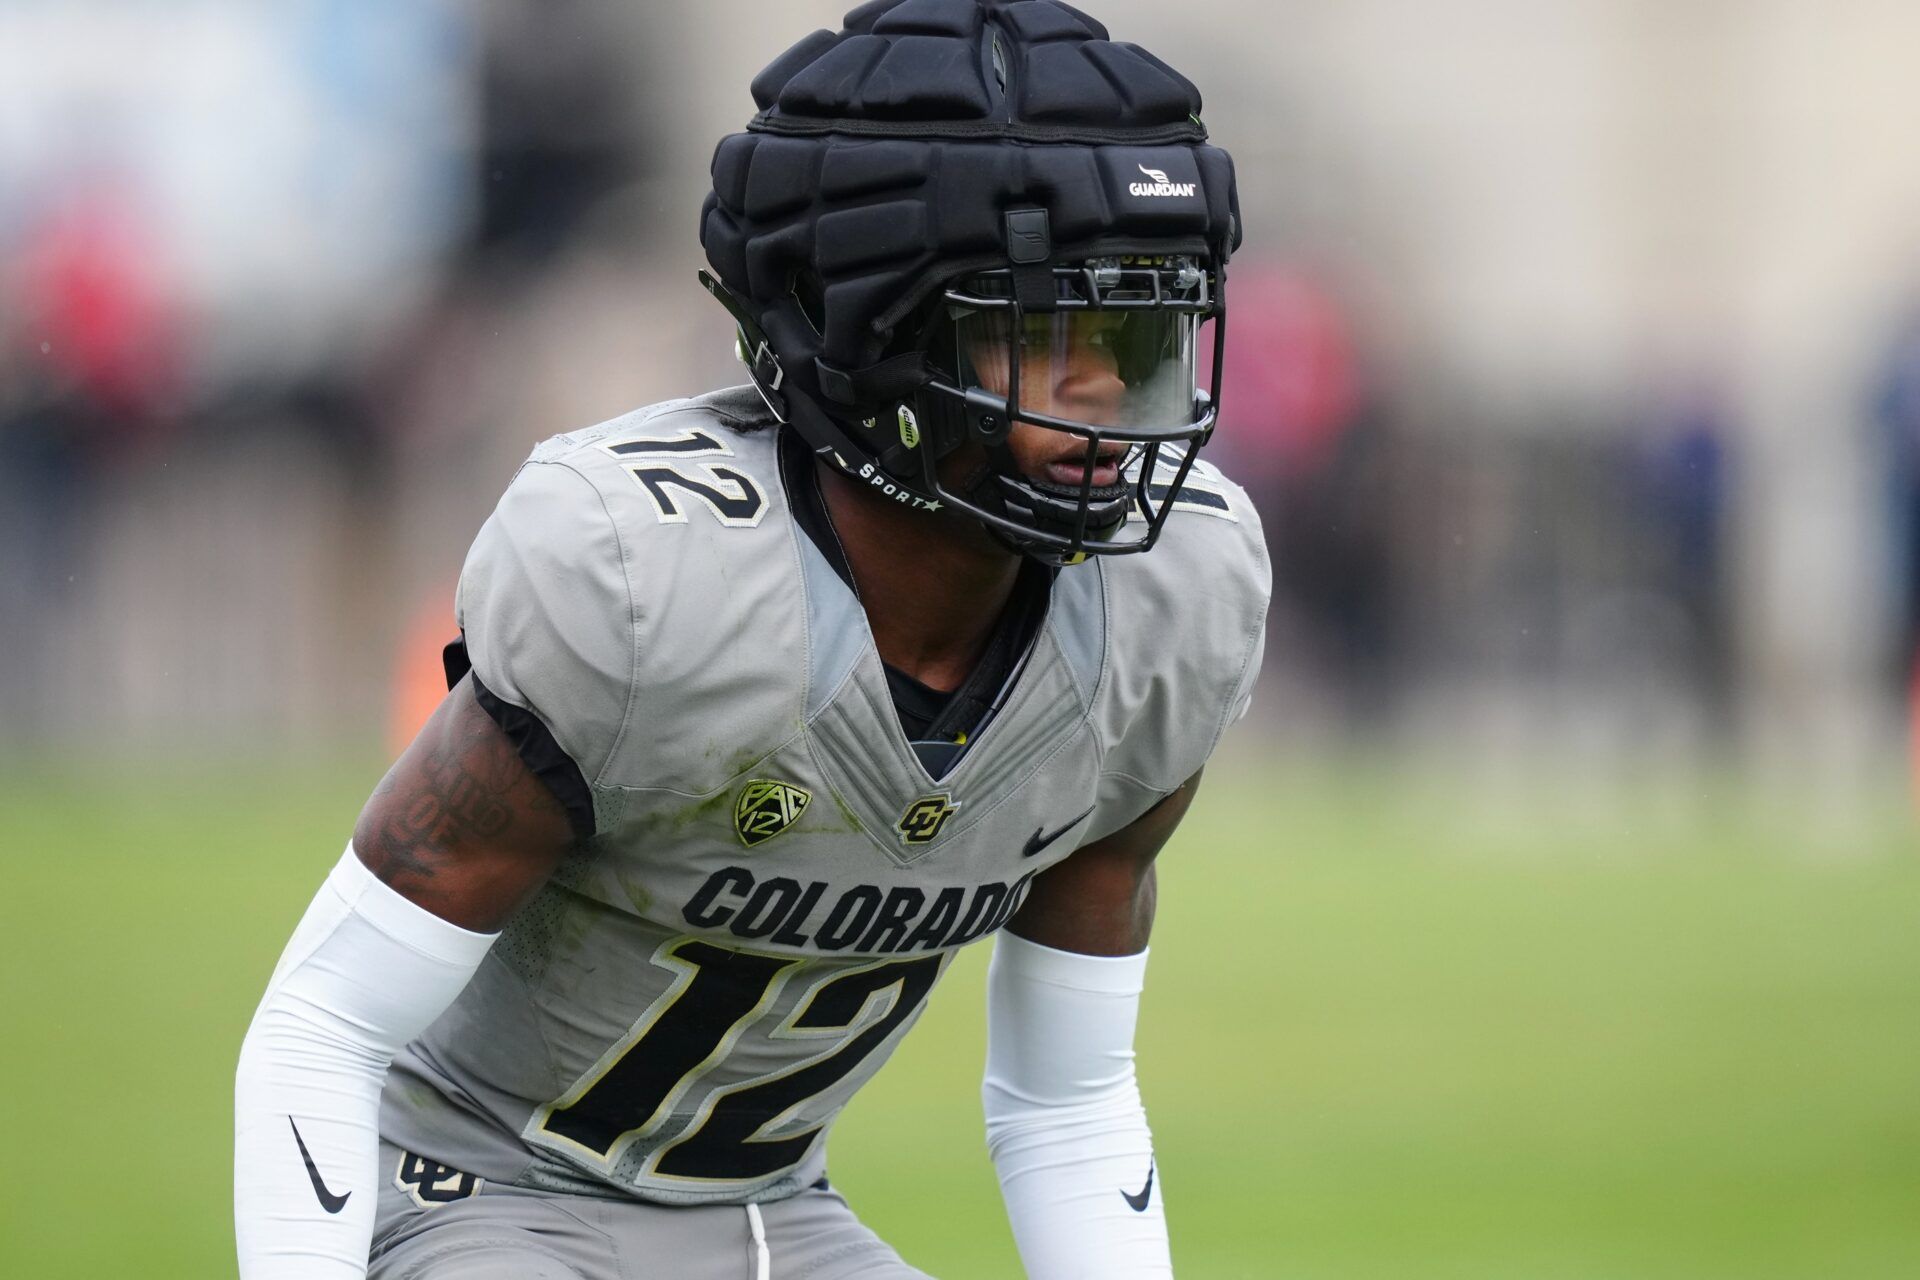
(460,821)
(452,804)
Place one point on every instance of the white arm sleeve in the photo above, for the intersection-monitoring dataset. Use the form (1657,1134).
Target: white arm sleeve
(365,972)
(1065,1127)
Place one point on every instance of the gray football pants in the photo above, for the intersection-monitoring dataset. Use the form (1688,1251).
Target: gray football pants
(508,1233)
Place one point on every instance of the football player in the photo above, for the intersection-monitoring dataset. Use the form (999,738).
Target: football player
(768,701)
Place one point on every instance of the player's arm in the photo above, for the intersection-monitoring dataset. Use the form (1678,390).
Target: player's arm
(460,825)
(454,839)
(1065,1126)
(1099,901)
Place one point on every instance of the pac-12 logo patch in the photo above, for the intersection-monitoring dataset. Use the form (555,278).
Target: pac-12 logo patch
(924,818)
(766,808)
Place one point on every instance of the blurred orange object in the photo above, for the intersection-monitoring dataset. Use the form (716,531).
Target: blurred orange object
(419,677)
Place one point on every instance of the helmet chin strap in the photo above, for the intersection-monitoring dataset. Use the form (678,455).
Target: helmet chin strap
(1010,488)
(756,352)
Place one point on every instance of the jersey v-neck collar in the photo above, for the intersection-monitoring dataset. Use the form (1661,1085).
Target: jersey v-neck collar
(938,725)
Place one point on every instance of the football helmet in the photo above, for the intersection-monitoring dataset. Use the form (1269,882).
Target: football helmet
(954,217)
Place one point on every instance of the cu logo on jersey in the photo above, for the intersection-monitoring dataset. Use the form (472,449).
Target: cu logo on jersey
(925,817)
(766,808)
(431,1184)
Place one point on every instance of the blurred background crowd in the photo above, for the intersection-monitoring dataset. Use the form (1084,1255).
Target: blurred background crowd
(1576,355)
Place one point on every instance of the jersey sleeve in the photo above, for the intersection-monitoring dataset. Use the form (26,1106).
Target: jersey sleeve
(546,614)
(1188,630)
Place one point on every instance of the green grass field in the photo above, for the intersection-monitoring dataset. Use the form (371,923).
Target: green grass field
(1392,1030)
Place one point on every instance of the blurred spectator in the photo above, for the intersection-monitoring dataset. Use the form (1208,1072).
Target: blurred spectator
(1292,374)
(88,279)
(1897,415)
(561,116)
(91,376)
(1293,430)
(1683,488)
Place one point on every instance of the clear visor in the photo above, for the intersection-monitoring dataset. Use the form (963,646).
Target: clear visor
(1131,369)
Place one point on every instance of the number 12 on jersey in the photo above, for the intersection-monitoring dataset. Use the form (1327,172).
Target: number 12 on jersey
(651,1089)
(733,497)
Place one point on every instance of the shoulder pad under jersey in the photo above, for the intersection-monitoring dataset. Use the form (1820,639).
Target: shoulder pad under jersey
(601,533)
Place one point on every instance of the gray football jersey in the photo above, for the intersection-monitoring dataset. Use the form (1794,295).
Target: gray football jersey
(774,883)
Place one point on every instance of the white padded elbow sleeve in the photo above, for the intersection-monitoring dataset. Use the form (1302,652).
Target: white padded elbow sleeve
(1065,1126)
(365,972)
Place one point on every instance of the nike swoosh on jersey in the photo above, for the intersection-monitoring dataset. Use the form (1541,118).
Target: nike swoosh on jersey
(1039,841)
(328,1201)
(1138,1203)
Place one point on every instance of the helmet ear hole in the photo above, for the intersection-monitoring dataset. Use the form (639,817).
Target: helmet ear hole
(928,330)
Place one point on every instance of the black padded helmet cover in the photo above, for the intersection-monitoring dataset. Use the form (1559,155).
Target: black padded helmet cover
(885,157)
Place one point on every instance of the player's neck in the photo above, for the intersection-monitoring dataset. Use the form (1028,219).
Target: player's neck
(931,592)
